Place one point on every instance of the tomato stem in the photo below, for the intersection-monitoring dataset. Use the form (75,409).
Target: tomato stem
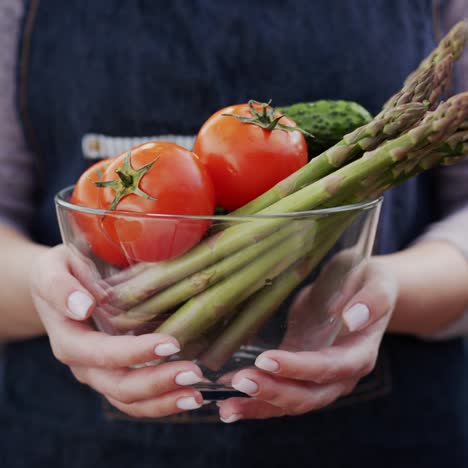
(128,181)
(265,118)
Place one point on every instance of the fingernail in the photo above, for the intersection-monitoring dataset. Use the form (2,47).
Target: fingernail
(187,403)
(246,386)
(356,317)
(78,304)
(154,363)
(187,378)
(267,364)
(166,349)
(233,418)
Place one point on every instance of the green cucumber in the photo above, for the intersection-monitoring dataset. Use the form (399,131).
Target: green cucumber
(327,120)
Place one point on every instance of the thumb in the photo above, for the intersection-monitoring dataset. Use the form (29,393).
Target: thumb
(375,300)
(53,281)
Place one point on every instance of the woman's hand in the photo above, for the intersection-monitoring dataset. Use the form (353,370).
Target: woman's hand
(61,283)
(292,383)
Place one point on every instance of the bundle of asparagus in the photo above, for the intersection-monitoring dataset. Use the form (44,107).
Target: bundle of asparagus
(222,280)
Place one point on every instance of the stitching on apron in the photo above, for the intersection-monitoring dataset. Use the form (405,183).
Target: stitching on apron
(96,146)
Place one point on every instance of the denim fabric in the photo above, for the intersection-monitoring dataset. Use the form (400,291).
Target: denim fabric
(137,68)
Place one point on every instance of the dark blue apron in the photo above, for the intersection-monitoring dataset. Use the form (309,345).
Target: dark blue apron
(137,68)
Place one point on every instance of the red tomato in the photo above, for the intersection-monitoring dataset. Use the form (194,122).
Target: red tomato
(176,183)
(87,194)
(243,159)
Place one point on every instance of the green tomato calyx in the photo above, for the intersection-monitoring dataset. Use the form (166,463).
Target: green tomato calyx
(263,115)
(128,181)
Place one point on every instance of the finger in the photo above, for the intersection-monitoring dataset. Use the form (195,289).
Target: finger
(132,385)
(77,344)
(291,395)
(84,269)
(351,358)
(164,405)
(54,282)
(375,300)
(235,409)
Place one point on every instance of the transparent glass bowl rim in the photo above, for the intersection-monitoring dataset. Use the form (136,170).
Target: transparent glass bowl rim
(62,195)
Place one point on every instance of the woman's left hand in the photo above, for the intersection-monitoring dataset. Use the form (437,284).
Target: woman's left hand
(293,383)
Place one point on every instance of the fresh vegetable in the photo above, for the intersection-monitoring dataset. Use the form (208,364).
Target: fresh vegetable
(86,194)
(156,178)
(248,148)
(326,120)
(440,61)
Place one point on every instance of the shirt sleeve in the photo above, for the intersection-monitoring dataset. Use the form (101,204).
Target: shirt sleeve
(16,161)
(452,181)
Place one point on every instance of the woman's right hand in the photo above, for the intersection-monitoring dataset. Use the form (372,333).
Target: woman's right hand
(58,280)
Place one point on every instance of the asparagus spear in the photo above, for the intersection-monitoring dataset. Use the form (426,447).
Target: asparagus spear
(440,61)
(452,44)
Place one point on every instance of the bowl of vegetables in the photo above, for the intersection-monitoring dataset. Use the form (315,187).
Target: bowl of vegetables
(223,285)
(216,245)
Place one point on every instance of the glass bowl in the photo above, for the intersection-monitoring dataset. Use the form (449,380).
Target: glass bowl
(227,287)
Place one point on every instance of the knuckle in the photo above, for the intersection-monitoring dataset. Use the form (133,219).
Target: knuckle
(120,392)
(122,396)
(270,395)
(102,357)
(117,393)
(101,360)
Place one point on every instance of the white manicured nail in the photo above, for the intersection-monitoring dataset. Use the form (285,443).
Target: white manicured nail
(187,378)
(166,349)
(147,364)
(78,304)
(267,364)
(356,317)
(187,403)
(246,386)
(233,418)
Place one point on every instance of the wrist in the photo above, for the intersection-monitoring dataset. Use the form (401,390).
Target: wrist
(433,287)
(18,316)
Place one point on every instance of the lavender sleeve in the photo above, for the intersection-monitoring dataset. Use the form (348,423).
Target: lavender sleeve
(16,161)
